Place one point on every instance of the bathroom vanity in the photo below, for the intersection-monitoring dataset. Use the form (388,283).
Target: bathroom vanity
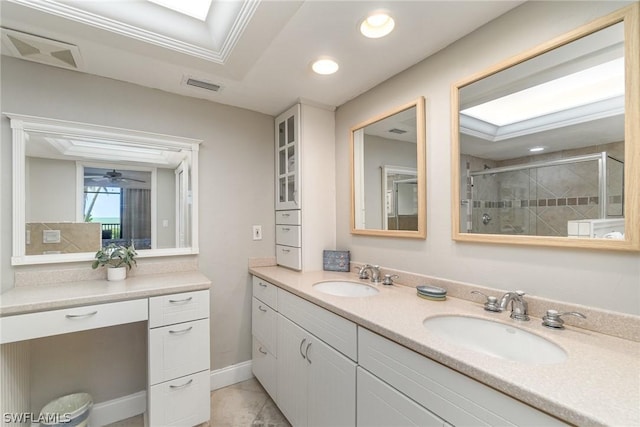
(175,307)
(373,361)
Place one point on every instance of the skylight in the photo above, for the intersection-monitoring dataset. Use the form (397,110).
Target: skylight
(585,87)
(195,8)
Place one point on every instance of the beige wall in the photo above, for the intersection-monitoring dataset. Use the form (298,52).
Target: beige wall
(602,279)
(235,158)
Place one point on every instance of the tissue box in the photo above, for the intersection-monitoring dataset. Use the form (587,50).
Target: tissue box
(335,260)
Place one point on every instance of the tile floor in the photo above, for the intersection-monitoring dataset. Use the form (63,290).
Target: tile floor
(245,404)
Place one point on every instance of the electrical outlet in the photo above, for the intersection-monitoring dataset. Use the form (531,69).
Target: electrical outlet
(257,232)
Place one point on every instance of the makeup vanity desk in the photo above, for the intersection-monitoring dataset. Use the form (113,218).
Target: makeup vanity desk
(175,307)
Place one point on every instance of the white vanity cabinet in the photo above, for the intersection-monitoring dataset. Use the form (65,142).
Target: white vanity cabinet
(263,328)
(316,375)
(441,392)
(179,359)
(305,186)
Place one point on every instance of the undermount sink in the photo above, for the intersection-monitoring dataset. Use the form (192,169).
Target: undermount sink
(343,288)
(495,339)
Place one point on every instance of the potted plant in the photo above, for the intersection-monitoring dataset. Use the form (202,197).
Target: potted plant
(117,259)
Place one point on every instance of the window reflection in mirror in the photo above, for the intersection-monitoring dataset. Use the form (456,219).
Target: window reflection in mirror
(86,186)
(541,142)
(388,173)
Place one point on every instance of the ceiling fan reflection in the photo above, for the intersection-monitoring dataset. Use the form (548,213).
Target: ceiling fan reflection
(113,177)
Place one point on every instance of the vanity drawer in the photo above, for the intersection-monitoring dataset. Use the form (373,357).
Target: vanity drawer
(288,256)
(264,367)
(176,308)
(454,397)
(334,330)
(292,217)
(178,350)
(54,322)
(289,235)
(265,292)
(181,402)
(263,324)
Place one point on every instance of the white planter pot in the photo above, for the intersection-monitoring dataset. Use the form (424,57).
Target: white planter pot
(116,273)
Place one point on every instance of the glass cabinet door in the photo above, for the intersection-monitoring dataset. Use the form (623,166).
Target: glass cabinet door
(287,164)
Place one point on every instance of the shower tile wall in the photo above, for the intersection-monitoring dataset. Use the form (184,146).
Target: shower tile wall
(540,201)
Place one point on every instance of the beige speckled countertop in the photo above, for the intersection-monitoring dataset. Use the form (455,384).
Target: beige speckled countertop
(598,383)
(27,299)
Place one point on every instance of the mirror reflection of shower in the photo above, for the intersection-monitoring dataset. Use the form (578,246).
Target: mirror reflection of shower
(544,198)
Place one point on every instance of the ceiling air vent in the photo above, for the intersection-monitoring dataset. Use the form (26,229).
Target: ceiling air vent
(203,85)
(39,49)
(398,131)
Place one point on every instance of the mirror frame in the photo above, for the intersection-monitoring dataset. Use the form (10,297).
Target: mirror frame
(21,125)
(629,15)
(421,163)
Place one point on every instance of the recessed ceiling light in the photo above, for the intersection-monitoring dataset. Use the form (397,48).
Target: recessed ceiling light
(195,8)
(325,66)
(377,25)
(536,149)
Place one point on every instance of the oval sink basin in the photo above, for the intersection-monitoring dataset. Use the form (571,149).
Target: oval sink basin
(345,289)
(495,339)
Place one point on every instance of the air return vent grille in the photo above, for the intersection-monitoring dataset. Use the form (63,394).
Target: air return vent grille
(40,49)
(203,85)
(398,131)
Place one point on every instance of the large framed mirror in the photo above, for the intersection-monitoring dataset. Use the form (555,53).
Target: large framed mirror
(78,187)
(545,146)
(388,173)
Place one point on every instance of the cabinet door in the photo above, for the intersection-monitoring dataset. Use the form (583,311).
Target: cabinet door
(331,388)
(291,379)
(380,405)
(288,159)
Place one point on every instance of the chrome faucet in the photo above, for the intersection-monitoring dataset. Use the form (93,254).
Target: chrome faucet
(519,307)
(375,272)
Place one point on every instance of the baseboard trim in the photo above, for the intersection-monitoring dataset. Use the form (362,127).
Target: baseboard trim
(118,409)
(231,375)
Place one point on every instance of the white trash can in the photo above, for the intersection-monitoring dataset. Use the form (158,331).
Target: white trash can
(71,410)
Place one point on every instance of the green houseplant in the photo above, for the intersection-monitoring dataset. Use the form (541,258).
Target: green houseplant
(117,258)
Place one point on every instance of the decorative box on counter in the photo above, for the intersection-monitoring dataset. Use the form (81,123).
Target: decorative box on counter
(335,260)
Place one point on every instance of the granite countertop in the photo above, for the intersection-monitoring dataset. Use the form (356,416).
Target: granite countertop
(598,383)
(28,299)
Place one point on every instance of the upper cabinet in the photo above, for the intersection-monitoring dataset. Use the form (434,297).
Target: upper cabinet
(287,164)
(78,186)
(388,172)
(305,186)
(546,145)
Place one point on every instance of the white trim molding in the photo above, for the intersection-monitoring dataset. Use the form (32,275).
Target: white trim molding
(231,375)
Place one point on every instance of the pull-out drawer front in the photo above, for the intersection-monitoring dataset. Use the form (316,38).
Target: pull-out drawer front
(178,350)
(289,235)
(289,257)
(263,325)
(176,308)
(181,402)
(458,399)
(264,367)
(265,292)
(336,331)
(382,405)
(292,217)
(54,322)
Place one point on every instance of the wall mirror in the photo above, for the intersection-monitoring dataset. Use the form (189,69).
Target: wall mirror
(388,178)
(77,187)
(546,145)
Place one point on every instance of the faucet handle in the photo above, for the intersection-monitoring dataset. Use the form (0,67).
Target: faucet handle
(388,279)
(362,273)
(491,303)
(552,318)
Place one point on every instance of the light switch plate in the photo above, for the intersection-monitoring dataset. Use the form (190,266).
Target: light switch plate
(51,236)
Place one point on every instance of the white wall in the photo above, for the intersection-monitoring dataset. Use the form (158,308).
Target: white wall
(51,190)
(608,280)
(235,158)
